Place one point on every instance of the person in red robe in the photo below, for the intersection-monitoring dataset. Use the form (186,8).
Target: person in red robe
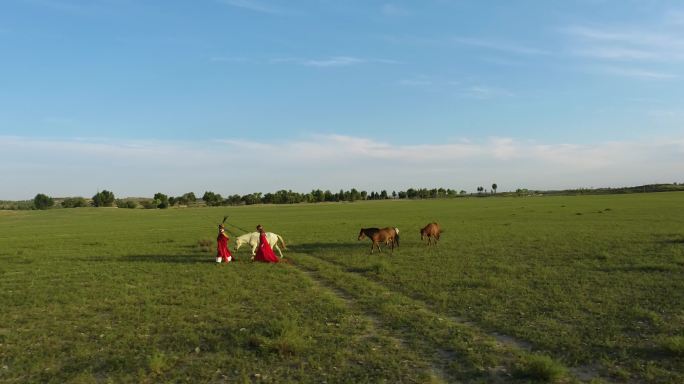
(264,252)
(222,251)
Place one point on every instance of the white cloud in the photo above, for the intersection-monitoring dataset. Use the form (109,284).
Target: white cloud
(337,61)
(253,5)
(509,47)
(141,168)
(638,52)
(615,53)
(224,59)
(334,61)
(417,81)
(637,73)
(485,93)
(626,44)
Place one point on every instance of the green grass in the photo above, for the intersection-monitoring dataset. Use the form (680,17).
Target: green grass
(576,284)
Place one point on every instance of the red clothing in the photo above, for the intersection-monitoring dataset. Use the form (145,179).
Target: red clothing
(265,253)
(222,250)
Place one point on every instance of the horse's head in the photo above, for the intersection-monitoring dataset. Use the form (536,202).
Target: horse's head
(423,232)
(362,234)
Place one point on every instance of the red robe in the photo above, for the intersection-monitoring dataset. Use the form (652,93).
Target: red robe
(222,250)
(264,252)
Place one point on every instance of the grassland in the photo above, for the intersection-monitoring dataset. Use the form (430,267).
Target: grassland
(564,289)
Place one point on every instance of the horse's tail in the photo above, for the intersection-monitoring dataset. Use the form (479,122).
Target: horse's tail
(396,236)
(282,242)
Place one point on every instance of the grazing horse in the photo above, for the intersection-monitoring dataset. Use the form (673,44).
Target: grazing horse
(389,236)
(432,232)
(253,240)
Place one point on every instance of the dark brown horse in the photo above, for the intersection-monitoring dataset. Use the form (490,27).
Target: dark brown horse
(389,236)
(432,232)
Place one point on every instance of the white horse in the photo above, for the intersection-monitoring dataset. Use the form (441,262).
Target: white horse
(253,240)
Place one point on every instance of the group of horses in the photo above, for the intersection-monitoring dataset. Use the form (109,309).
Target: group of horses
(390,236)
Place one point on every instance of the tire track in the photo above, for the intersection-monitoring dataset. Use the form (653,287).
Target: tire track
(457,353)
(437,372)
(511,345)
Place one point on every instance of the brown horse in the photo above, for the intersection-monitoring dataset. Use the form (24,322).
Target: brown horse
(389,236)
(432,232)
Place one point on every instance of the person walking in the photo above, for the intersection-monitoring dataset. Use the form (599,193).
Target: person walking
(264,252)
(222,251)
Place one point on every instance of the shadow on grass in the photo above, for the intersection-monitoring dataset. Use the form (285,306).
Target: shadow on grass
(171,259)
(638,268)
(322,247)
(674,241)
(655,352)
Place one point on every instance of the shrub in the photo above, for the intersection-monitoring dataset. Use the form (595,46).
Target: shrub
(126,203)
(74,202)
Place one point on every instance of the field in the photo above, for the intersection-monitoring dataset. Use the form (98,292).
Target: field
(549,289)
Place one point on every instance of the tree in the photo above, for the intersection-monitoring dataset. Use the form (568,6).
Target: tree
(211,198)
(161,200)
(42,201)
(233,200)
(186,198)
(479,189)
(252,198)
(494,187)
(103,199)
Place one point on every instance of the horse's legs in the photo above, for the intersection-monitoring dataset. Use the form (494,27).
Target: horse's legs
(279,251)
(254,249)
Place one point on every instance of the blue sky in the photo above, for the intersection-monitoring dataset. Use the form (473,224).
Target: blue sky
(144,96)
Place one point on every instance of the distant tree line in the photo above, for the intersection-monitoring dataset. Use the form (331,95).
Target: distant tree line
(106,198)
(320,196)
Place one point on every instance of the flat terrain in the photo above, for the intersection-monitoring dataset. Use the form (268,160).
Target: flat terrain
(564,289)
